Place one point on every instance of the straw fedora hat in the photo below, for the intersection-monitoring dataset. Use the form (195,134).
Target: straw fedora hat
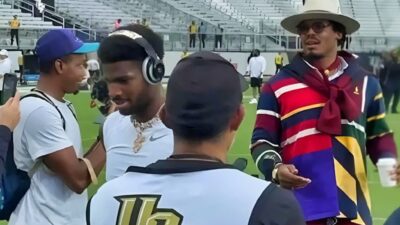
(320,9)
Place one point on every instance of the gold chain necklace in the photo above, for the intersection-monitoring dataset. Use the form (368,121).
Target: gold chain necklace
(140,127)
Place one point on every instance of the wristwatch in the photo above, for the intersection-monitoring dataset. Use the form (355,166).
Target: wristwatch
(275,177)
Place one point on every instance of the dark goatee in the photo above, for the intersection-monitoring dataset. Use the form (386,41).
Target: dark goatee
(310,57)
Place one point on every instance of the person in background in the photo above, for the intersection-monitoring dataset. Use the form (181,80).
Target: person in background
(117,24)
(21,67)
(391,83)
(202,35)
(93,67)
(192,34)
(278,62)
(248,58)
(256,69)
(218,36)
(15,24)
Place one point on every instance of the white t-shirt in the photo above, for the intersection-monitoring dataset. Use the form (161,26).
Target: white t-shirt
(119,136)
(256,66)
(40,132)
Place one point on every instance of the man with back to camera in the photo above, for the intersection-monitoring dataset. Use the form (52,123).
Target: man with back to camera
(133,134)
(256,68)
(195,186)
(47,141)
(319,118)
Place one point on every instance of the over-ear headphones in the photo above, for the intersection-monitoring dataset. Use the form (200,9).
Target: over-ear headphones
(153,68)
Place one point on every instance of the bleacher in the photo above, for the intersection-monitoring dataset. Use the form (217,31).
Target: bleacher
(377,17)
(163,15)
(93,13)
(240,19)
(103,14)
(214,13)
(268,13)
(389,10)
(31,27)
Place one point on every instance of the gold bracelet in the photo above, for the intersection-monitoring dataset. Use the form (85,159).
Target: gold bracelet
(92,174)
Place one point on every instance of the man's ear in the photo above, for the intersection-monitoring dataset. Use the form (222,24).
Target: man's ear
(164,117)
(339,35)
(58,66)
(237,118)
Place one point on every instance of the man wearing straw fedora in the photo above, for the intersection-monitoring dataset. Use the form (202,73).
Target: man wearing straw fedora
(319,118)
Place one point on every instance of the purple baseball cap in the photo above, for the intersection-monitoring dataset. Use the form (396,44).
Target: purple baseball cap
(58,43)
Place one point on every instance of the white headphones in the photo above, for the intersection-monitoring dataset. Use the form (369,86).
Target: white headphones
(153,68)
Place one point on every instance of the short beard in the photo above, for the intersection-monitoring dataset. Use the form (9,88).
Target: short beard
(310,57)
(139,109)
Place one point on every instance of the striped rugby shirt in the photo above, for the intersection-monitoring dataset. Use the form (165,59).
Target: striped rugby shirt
(286,122)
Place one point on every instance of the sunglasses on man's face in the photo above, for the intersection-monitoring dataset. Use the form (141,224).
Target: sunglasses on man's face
(317,27)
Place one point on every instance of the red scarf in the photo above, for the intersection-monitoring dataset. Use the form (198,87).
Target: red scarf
(344,98)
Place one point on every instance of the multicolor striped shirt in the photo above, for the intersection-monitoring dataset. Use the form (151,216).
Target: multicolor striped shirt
(286,121)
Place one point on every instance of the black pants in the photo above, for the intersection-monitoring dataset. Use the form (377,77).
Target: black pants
(14,33)
(21,72)
(278,67)
(218,40)
(202,40)
(388,93)
(192,40)
(94,77)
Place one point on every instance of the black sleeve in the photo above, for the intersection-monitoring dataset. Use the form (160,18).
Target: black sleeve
(270,157)
(5,140)
(276,206)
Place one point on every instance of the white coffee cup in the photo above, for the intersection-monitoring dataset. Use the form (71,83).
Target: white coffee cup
(385,167)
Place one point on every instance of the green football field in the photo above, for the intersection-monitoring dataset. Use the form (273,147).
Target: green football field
(384,200)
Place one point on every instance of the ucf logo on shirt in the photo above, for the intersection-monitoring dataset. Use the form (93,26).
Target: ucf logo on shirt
(142,210)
